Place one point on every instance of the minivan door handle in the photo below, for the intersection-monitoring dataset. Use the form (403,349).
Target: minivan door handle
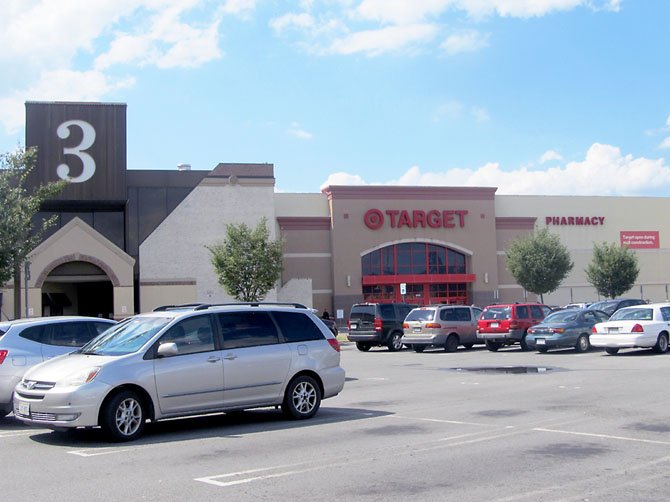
(213,359)
(230,357)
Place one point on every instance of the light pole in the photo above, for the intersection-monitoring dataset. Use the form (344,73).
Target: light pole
(25,285)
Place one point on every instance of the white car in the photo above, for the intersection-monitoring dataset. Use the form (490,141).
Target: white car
(646,326)
(187,360)
(27,342)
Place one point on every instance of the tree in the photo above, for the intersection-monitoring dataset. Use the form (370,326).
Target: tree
(247,263)
(18,207)
(539,262)
(613,269)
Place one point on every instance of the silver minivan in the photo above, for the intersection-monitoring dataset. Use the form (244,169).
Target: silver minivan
(181,361)
(446,326)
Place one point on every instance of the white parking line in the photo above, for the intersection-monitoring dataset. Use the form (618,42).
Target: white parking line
(98,452)
(603,436)
(294,469)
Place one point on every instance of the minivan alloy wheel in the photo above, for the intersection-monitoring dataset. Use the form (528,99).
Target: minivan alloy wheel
(123,416)
(302,398)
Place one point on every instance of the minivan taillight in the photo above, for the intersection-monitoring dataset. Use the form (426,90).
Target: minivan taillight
(513,325)
(637,329)
(334,343)
(3,354)
(378,324)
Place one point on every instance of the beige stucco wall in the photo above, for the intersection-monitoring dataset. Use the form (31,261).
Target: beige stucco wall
(621,214)
(178,246)
(170,293)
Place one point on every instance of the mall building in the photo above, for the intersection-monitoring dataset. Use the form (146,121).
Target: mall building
(129,240)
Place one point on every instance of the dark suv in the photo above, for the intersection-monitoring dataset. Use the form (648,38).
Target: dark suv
(611,306)
(508,323)
(377,324)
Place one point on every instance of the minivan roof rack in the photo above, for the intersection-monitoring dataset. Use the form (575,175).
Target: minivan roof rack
(164,308)
(205,306)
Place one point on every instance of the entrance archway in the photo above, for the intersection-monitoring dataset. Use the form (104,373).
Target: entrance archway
(78,288)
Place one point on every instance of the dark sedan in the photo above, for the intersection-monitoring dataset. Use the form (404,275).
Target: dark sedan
(564,329)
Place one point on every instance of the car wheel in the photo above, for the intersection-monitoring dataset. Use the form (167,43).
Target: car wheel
(524,345)
(468,345)
(362,346)
(395,344)
(451,345)
(612,351)
(543,350)
(492,346)
(302,398)
(123,416)
(661,344)
(583,343)
(419,348)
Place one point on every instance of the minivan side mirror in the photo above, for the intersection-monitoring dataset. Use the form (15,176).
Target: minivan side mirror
(167,350)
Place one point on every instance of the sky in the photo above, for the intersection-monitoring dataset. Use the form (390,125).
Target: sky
(555,97)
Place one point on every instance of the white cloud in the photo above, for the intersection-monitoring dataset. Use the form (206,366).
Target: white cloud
(667,122)
(517,8)
(297,132)
(286,21)
(400,11)
(665,143)
(604,171)
(550,155)
(452,110)
(465,41)
(342,178)
(383,40)
(480,114)
(59,85)
(239,7)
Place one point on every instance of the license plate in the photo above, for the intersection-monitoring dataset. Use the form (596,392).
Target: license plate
(416,330)
(24,409)
(612,330)
(353,326)
(494,324)
(540,341)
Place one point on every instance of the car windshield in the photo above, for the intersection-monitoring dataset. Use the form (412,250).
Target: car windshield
(126,337)
(421,315)
(560,316)
(496,313)
(633,314)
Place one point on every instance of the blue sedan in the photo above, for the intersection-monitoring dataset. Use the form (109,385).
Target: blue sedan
(569,328)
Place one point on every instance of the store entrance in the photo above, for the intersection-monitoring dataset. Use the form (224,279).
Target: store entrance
(78,288)
(419,294)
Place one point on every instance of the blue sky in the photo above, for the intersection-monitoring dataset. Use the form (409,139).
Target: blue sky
(531,96)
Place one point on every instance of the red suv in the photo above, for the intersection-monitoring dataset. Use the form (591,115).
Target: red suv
(506,324)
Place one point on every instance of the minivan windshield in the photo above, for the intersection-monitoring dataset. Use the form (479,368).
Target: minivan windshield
(126,337)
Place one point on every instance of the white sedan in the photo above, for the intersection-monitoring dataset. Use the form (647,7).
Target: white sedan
(646,326)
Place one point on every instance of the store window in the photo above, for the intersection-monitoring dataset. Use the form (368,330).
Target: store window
(427,270)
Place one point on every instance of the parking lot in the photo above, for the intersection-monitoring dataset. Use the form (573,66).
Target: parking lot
(470,425)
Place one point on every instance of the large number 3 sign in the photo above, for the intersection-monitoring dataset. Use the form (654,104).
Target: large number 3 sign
(87,140)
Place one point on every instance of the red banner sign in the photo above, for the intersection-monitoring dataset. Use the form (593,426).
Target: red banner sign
(636,239)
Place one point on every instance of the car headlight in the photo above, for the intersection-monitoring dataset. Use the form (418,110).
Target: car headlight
(80,377)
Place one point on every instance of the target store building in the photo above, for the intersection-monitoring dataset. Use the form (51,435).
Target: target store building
(128,240)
